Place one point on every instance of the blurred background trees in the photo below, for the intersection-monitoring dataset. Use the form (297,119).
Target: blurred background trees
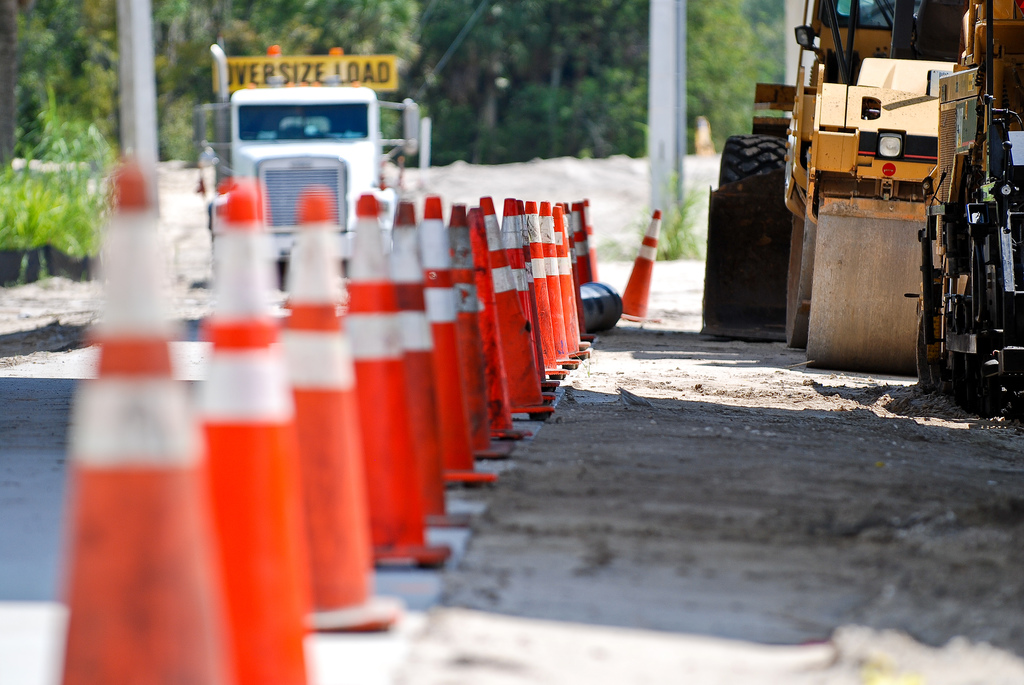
(533,78)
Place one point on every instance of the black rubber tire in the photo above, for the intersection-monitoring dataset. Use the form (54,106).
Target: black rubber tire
(750,155)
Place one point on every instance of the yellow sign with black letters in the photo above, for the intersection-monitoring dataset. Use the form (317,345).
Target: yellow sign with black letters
(379,72)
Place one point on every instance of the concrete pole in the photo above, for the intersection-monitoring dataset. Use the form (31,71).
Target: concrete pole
(138,86)
(682,137)
(662,101)
(426,126)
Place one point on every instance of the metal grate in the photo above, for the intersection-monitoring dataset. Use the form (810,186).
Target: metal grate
(947,149)
(284,185)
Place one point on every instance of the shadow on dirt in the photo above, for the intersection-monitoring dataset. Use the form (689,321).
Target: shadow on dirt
(54,337)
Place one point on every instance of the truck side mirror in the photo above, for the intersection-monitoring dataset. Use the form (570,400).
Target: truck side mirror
(805,37)
(410,127)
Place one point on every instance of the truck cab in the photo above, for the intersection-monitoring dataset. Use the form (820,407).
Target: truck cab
(293,136)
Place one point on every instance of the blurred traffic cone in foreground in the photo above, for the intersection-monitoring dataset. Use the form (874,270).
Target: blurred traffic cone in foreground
(516,345)
(397,514)
(329,434)
(591,243)
(143,599)
(498,403)
(638,288)
(545,315)
(418,346)
(439,294)
(253,459)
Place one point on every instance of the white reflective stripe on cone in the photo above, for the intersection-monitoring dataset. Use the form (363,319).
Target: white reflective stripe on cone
(648,252)
(374,336)
(564,266)
(119,422)
(493,233)
(540,269)
(551,266)
(580,248)
(440,304)
(503,279)
(368,263)
(319,360)
(247,386)
(135,280)
(243,275)
(533,228)
(466,301)
(314,271)
(405,260)
(519,276)
(416,335)
(434,245)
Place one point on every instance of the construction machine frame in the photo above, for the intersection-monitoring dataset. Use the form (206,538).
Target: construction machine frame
(972,332)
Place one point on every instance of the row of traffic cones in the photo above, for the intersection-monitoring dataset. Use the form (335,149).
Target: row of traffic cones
(204,549)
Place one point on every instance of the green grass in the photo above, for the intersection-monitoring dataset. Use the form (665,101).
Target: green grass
(60,200)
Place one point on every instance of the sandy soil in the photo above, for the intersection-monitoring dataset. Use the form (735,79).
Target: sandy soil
(691,496)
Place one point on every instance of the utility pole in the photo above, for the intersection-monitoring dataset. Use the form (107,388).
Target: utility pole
(138,87)
(666,101)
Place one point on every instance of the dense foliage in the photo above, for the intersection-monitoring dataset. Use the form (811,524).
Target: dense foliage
(532,78)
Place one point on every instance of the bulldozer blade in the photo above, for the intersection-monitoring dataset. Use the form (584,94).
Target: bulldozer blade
(749,231)
(867,260)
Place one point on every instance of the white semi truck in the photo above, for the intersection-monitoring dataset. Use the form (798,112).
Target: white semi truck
(291,135)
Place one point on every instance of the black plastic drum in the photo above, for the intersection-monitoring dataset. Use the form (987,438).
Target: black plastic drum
(602,306)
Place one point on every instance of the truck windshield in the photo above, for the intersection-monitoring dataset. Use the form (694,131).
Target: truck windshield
(874,14)
(303,122)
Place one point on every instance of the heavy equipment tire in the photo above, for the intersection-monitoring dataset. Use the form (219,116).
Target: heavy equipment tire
(749,155)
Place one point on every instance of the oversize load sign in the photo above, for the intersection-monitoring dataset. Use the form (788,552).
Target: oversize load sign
(379,72)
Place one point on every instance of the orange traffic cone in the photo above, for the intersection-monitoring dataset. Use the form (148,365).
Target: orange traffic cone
(545,315)
(467,322)
(516,346)
(579,235)
(512,224)
(499,404)
(535,321)
(329,434)
(551,229)
(591,245)
(418,346)
(397,513)
(547,231)
(142,591)
(439,294)
(572,328)
(253,462)
(581,267)
(638,288)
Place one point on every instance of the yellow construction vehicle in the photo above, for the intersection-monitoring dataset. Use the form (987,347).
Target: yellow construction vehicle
(860,160)
(972,333)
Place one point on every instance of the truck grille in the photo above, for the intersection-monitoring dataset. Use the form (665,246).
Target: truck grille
(284,184)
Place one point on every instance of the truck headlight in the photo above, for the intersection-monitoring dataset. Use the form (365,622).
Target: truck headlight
(890,145)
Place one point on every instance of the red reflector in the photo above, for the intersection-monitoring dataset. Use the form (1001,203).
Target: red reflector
(889,169)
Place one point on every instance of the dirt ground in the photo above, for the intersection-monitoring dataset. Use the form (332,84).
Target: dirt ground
(692,500)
